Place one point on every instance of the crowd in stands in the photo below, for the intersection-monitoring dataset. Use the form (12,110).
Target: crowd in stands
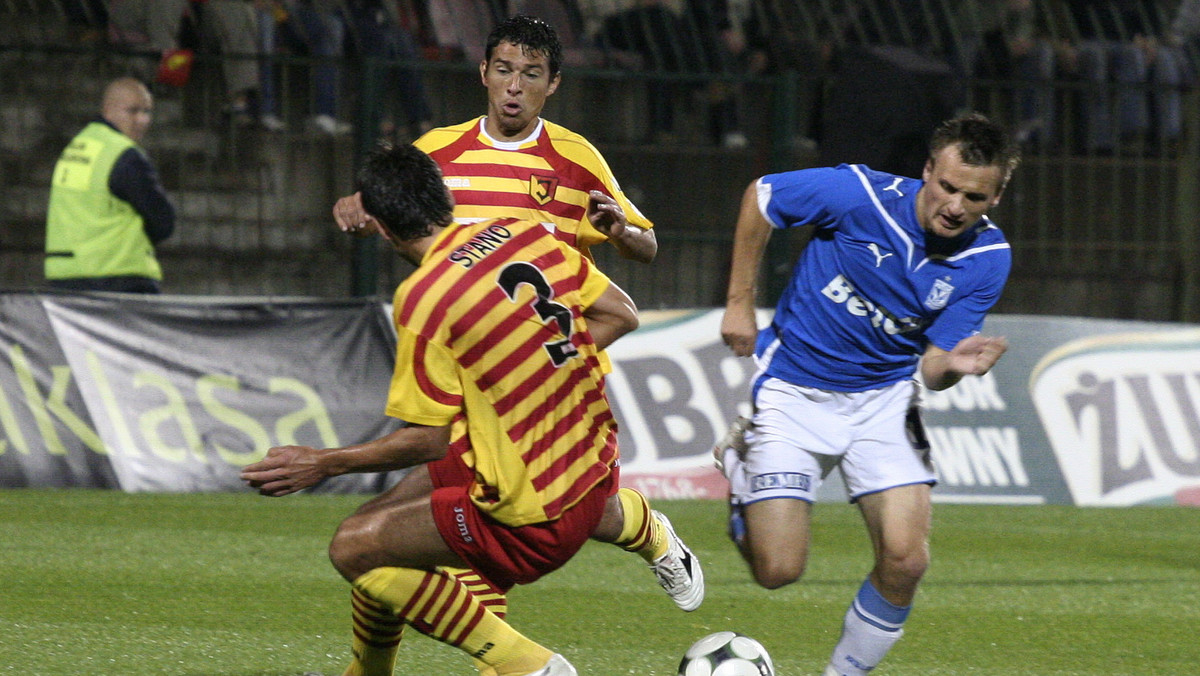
(1128,60)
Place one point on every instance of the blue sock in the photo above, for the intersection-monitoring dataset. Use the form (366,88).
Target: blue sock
(877,611)
(872,626)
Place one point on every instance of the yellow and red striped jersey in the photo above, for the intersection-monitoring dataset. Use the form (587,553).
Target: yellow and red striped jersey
(490,331)
(545,178)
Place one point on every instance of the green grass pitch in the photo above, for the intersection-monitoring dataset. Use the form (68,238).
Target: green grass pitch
(100,582)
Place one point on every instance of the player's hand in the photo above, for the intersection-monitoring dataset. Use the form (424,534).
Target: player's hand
(739,330)
(976,355)
(606,214)
(285,470)
(350,216)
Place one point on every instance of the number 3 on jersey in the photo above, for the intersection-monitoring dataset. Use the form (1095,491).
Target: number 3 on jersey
(510,280)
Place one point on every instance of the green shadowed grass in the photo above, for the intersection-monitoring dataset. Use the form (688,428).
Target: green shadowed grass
(97,582)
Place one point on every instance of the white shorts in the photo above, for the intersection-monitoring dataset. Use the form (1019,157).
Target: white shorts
(801,433)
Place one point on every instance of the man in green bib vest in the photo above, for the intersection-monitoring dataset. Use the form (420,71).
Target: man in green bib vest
(107,205)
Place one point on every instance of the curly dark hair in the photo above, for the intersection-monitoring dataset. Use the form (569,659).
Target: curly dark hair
(402,188)
(532,35)
(981,143)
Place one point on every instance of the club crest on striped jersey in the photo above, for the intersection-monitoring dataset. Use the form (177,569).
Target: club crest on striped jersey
(939,294)
(542,188)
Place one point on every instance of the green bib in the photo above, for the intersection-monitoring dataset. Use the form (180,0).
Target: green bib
(89,231)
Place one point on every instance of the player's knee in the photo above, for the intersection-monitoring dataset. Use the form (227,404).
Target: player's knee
(904,571)
(773,574)
(348,553)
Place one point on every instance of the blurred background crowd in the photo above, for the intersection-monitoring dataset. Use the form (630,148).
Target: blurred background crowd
(263,106)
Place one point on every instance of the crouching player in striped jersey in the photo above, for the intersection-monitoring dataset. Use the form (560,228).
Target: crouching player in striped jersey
(512,162)
(499,331)
(899,272)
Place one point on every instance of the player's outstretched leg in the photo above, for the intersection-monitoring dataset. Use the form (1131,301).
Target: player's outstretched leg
(678,570)
(630,524)
(871,627)
(449,612)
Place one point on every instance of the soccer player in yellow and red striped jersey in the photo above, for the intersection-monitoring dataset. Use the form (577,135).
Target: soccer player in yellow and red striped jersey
(513,163)
(499,328)
(546,177)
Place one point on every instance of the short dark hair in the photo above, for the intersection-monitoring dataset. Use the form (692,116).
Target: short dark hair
(402,188)
(981,143)
(532,35)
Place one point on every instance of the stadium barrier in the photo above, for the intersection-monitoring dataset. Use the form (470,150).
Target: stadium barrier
(176,394)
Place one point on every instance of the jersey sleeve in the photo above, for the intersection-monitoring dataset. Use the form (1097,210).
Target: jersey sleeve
(425,386)
(802,197)
(440,137)
(583,154)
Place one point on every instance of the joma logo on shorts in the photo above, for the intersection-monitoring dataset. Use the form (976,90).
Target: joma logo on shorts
(460,519)
(792,480)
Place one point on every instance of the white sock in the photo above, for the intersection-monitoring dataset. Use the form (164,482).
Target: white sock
(872,626)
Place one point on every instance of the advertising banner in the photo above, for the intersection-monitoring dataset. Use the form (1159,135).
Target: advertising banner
(1079,411)
(148,394)
(175,394)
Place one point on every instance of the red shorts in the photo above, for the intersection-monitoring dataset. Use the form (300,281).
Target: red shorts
(507,555)
(450,470)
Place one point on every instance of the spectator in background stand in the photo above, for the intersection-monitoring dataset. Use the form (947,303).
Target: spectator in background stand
(1182,36)
(782,36)
(1015,47)
(146,26)
(233,26)
(87,20)
(669,41)
(322,28)
(1118,54)
(719,41)
(268,15)
(919,28)
(107,207)
(151,25)
(1185,27)
(379,34)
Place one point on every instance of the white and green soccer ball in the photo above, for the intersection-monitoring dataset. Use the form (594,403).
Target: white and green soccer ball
(726,653)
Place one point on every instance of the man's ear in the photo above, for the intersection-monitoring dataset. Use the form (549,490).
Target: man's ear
(554,84)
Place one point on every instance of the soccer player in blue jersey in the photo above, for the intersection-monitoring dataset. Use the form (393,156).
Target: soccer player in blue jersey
(899,274)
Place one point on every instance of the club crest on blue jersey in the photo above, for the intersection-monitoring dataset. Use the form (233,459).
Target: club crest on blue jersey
(939,295)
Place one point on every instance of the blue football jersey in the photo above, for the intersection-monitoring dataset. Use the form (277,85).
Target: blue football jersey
(867,294)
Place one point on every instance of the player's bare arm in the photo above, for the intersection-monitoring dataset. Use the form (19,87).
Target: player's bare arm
(350,216)
(973,356)
(607,217)
(611,316)
(288,469)
(739,327)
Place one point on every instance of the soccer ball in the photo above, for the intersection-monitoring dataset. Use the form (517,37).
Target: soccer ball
(726,653)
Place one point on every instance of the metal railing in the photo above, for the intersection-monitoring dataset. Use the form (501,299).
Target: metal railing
(1108,235)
